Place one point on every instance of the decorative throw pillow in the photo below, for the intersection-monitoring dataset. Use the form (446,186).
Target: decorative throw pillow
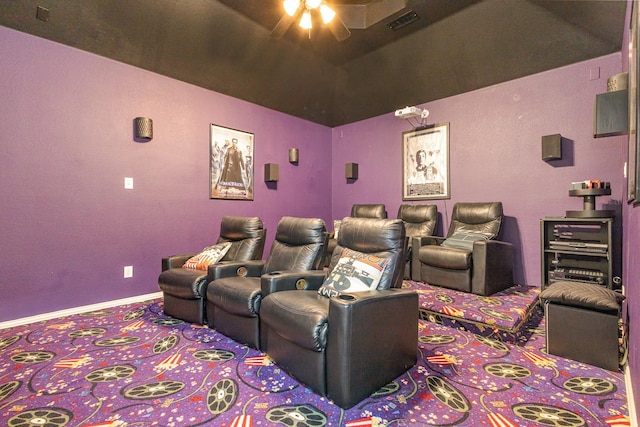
(465,239)
(354,272)
(209,255)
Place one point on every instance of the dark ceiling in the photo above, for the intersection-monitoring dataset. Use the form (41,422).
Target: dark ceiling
(454,46)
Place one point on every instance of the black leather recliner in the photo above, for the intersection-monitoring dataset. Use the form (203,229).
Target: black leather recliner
(234,294)
(420,222)
(470,259)
(350,345)
(184,289)
(357,211)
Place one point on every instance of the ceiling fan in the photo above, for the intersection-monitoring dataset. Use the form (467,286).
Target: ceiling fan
(302,11)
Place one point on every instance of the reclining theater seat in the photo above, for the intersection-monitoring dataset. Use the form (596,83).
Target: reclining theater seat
(348,335)
(357,211)
(235,294)
(419,221)
(470,259)
(184,289)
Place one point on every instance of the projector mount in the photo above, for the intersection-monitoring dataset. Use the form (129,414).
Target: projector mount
(409,113)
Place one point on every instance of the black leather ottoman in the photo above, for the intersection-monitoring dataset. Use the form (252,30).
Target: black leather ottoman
(582,323)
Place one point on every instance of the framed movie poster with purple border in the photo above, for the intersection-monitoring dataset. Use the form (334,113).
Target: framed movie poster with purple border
(425,163)
(231,164)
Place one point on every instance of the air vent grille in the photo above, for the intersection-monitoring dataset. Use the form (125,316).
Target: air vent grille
(403,20)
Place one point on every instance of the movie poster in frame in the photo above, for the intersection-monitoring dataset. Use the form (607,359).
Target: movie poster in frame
(425,163)
(231,164)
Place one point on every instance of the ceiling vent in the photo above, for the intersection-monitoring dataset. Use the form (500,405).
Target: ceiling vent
(403,20)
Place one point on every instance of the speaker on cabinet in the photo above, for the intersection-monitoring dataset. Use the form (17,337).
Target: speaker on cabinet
(611,114)
(552,147)
(351,171)
(271,172)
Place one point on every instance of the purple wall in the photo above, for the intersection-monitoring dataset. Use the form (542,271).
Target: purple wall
(68,225)
(495,153)
(631,264)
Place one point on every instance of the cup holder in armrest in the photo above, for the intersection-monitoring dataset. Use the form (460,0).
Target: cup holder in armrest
(346,297)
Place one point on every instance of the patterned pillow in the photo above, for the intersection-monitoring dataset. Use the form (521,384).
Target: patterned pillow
(209,255)
(465,239)
(354,272)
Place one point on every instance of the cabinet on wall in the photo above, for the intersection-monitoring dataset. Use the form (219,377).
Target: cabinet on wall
(580,249)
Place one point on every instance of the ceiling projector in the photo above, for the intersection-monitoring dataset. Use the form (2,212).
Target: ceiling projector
(408,112)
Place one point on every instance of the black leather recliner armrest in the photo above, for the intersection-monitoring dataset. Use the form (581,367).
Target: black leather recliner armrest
(492,266)
(175,261)
(291,280)
(235,268)
(416,243)
(358,323)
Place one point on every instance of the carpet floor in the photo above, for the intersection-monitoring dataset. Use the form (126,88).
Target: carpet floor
(134,366)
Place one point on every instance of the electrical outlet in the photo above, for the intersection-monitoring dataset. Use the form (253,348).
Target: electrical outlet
(128,271)
(128,183)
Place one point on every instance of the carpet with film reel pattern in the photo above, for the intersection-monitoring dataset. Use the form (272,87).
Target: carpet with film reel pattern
(133,366)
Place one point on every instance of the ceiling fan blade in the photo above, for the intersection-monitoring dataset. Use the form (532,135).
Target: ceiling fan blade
(285,22)
(282,26)
(339,30)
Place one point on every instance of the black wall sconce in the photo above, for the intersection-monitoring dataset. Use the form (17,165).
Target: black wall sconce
(351,171)
(143,129)
(271,172)
(293,155)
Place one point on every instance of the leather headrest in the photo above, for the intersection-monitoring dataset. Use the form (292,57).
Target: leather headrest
(240,227)
(301,231)
(368,211)
(484,217)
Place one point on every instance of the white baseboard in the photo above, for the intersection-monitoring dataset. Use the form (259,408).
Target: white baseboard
(630,401)
(78,310)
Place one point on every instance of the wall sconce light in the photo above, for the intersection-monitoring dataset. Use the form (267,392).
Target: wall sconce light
(351,171)
(271,172)
(293,155)
(143,129)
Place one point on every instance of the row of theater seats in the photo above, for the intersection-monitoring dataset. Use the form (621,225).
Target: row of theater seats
(302,316)
(471,258)
(283,305)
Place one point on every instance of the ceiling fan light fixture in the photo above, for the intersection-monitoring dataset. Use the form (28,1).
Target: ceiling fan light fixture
(305,20)
(327,13)
(290,6)
(313,4)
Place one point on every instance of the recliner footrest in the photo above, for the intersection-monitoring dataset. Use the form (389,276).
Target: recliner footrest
(582,323)
(583,295)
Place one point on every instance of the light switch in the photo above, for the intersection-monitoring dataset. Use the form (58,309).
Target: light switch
(128,271)
(128,183)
